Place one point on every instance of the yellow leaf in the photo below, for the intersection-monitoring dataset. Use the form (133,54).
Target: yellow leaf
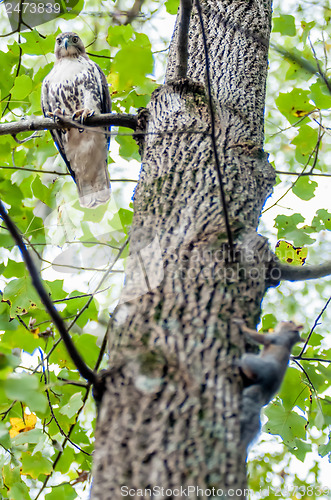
(290,254)
(22,425)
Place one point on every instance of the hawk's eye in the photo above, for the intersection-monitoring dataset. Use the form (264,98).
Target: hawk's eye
(58,40)
(75,39)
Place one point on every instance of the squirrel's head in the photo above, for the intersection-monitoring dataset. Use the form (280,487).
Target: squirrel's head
(287,333)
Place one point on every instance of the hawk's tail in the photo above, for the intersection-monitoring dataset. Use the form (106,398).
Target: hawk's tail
(93,194)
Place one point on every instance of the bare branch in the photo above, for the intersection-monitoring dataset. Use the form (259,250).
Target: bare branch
(83,369)
(301,174)
(296,273)
(182,45)
(122,120)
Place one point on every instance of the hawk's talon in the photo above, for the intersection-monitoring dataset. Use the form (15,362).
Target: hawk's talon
(56,115)
(82,114)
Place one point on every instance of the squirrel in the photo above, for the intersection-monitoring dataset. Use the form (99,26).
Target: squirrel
(263,373)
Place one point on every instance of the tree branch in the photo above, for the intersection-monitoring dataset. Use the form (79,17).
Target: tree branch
(301,174)
(296,273)
(122,120)
(183,28)
(301,61)
(81,366)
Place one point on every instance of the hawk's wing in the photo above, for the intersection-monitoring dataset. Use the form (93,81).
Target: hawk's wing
(105,96)
(56,134)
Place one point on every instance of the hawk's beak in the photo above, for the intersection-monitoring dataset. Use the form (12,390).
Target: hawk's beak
(65,41)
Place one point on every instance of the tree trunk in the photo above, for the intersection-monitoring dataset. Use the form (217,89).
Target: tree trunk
(170,414)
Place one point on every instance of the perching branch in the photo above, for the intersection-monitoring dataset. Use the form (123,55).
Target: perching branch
(83,369)
(122,120)
(183,29)
(296,273)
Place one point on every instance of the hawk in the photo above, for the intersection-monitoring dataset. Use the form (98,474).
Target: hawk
(76,87)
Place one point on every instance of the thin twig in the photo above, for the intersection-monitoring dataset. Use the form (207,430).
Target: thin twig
(213,132)
(320,360)
(320,72)
(314,152)
(59,455)
(53,414)
(313,327)
(309,380)
(302,174)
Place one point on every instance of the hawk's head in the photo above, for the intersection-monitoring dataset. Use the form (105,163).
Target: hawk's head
(69,45)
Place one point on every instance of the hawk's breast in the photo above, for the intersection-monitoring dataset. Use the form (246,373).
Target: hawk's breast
(73,84)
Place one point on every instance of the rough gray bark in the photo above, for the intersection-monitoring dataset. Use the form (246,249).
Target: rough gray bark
(170,413)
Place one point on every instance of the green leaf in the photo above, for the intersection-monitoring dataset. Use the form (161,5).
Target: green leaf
(287,228)
(284,24)
(304,188)
(22,87)
(300,449)
(294,104)
(22,295)
(322,220)
(320,95)
(8,60)
(128,147)
(269,321)
(118,36)
(73,406)
(67,458)
(23,339)
(305,142)
(42,192)
(133,62)
(104,61)
(126,217)
(86,344)
(11,475)
(293,392)
(324,449)
(4,436)
(63,491)
(34,465)
(33,436)
(26,388)
(6,323)
(35,44)
(172,6)
(286,423)
(14,268)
